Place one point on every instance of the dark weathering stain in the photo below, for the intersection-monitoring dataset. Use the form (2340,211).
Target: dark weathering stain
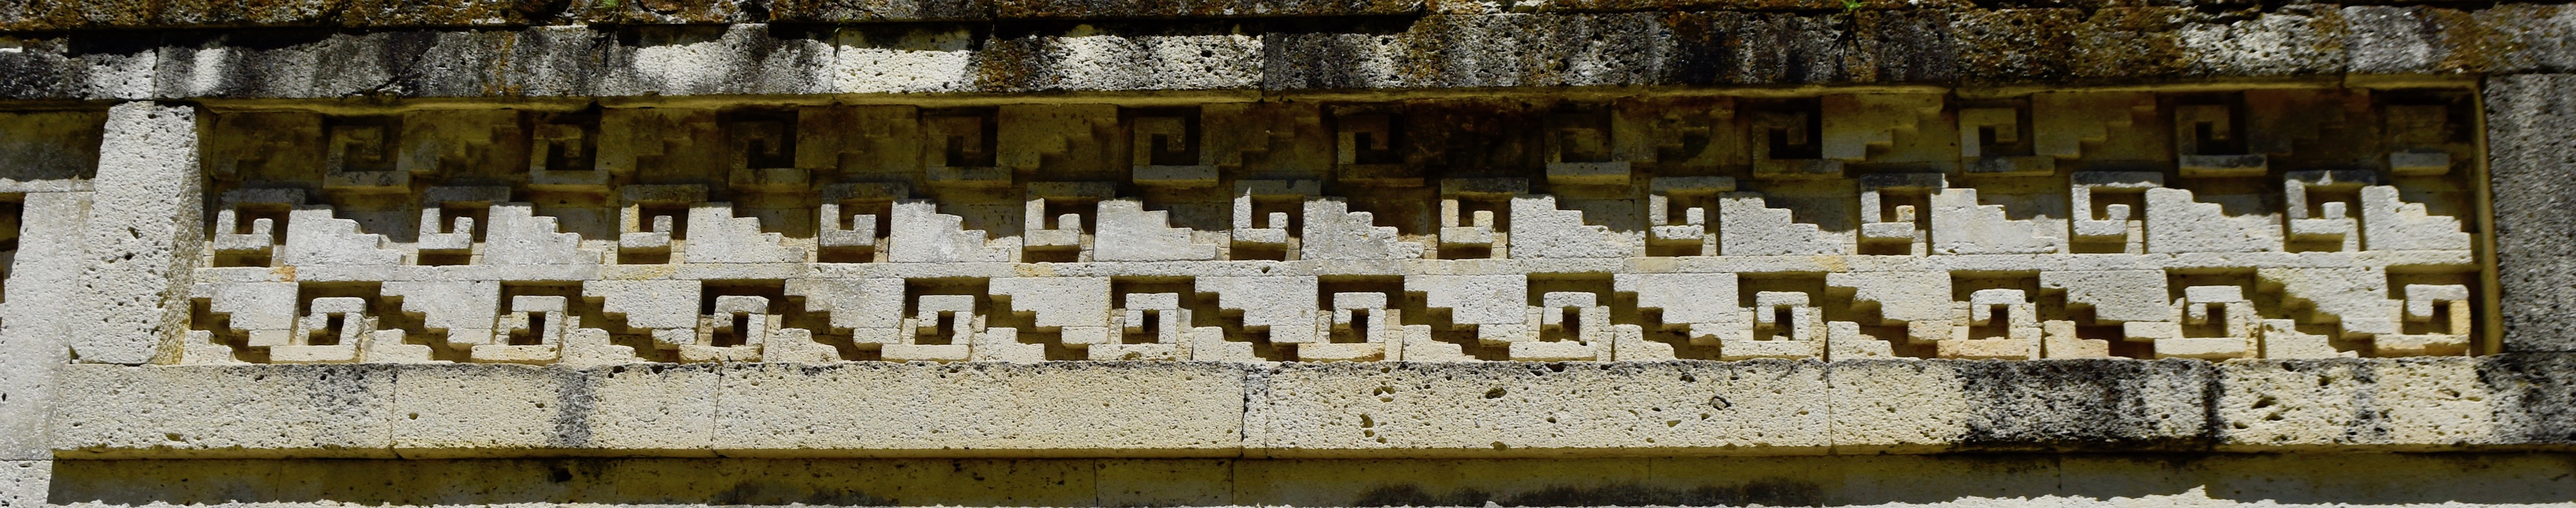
(2085,404)
(2535,398)
(573,399)
(1772,492)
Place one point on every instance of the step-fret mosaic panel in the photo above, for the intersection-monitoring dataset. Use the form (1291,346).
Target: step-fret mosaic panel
(2266,223)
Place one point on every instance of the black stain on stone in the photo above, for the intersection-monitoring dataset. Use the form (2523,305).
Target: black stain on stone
(2104,404)
(2533,396)
(574,398)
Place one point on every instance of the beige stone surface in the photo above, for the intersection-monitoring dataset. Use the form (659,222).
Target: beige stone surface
(2437,403)
(1896,406)
(23,483)
(2296,404)
(1576,408)
(2387,404)
(224,411)
(506,410)
(886,409)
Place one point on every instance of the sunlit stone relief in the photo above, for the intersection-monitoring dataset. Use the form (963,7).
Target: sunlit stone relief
(2251,224)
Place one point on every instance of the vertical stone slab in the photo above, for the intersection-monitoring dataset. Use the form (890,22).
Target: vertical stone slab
(2531,143)
(41,283)
(146,215)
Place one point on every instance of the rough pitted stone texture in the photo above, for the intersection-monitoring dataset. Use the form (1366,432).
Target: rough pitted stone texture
(1325,410)
(1544,48)
(141,220)
(2412,39)
(2086,404)
(2527,38)
(474,410)
(2533,399)
(2383,404)
(1387,410)
(247,411)
(44,288)
(1151,409)
(2531,140)
(23,483)
(1899,406)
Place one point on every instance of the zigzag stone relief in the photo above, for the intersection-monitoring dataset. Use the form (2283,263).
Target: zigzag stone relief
(2261,223)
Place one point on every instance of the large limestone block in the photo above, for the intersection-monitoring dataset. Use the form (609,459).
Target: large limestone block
(1896,405)
(519,410)
(2531,146)
(1162,409)
(252,411)
(1911,406)
(2296,404)
(2435,403)
(1518,409)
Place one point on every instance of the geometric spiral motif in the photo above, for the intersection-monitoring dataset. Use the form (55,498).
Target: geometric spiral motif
(2275,223)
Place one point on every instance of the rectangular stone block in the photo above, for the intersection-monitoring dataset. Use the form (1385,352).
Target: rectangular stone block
(144,215)
(1531,409)
(1896,405)
(44,279)
(2531,152)
(262,411)
(2091,404)
(2532,397)
(2296,404)
(516,410)
(985,409)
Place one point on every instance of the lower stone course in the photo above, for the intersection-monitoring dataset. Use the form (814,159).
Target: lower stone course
(1978,480)
(1375,410)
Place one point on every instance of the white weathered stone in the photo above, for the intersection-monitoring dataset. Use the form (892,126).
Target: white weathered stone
(142,221)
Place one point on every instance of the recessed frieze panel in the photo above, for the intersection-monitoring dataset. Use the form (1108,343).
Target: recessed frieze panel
(2282,223)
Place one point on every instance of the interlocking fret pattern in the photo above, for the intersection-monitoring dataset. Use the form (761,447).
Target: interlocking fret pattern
(2273,223)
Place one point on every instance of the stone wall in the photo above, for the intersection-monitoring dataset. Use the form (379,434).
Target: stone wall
(1003,252)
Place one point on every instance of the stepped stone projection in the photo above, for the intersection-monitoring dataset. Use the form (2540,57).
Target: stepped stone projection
(1111,253)
(2276,223)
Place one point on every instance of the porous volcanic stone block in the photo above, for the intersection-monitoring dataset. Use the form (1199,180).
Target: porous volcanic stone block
(1532,409)
(922,409)
(256,411)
